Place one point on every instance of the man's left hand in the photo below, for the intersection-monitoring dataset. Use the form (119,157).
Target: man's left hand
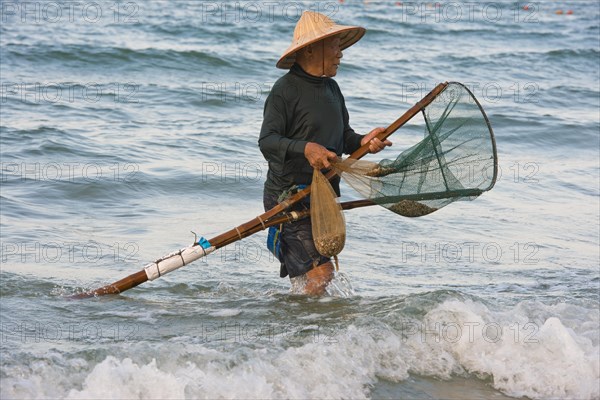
(375,145)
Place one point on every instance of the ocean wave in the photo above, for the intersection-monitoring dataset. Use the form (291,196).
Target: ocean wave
(102,57)
(569,53)
(531,350)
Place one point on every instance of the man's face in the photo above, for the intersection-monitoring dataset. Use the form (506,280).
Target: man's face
(332,55)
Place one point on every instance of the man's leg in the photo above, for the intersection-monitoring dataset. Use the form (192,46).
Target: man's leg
(299,254)
(318,278)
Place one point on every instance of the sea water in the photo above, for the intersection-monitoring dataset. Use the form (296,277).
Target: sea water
(127,125)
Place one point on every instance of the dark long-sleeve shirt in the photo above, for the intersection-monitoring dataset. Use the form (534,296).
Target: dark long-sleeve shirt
(302,108)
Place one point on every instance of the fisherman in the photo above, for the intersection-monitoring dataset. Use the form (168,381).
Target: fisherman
(306,126)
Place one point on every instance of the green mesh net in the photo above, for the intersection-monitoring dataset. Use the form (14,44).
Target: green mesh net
(456,160)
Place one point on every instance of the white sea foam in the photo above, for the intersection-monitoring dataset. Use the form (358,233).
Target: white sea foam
(524,358)
(554,358)
(121,379)
(226,312)
(313,370)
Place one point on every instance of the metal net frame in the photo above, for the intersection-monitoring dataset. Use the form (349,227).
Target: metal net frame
(456,160)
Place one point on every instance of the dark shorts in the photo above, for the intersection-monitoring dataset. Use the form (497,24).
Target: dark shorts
(298,252)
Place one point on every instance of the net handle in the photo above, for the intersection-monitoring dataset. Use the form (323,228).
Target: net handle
(407,116)
(361,152)
(249,227)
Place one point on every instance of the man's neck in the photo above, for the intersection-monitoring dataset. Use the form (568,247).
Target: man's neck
(312,68)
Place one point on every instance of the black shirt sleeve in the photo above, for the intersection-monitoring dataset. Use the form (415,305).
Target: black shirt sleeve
(272,141)
(351,138)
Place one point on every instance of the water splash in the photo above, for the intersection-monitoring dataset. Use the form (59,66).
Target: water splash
(298,284)
(339,286)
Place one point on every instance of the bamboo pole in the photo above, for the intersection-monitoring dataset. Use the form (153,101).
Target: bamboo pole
(130,281)
(260,222)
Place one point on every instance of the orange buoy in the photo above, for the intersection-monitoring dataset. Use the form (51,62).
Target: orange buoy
(570,12)
(558,12)
(525,8)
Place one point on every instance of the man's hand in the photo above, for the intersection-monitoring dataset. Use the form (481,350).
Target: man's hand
(318,156)
(375,145)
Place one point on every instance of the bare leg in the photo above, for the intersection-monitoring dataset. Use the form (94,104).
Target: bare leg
(318,278)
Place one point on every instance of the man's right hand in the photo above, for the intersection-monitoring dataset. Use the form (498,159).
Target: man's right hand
(318,156)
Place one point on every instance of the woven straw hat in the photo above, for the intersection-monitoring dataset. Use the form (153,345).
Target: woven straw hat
(313,27)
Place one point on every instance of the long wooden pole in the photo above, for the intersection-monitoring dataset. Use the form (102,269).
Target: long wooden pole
(258,223)
(130,281)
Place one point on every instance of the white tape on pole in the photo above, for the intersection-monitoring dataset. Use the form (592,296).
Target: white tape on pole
(175,261)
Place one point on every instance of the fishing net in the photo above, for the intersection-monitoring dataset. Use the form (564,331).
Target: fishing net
(327,218)
(456,160)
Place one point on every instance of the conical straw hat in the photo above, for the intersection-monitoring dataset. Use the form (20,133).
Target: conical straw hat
(313,27)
